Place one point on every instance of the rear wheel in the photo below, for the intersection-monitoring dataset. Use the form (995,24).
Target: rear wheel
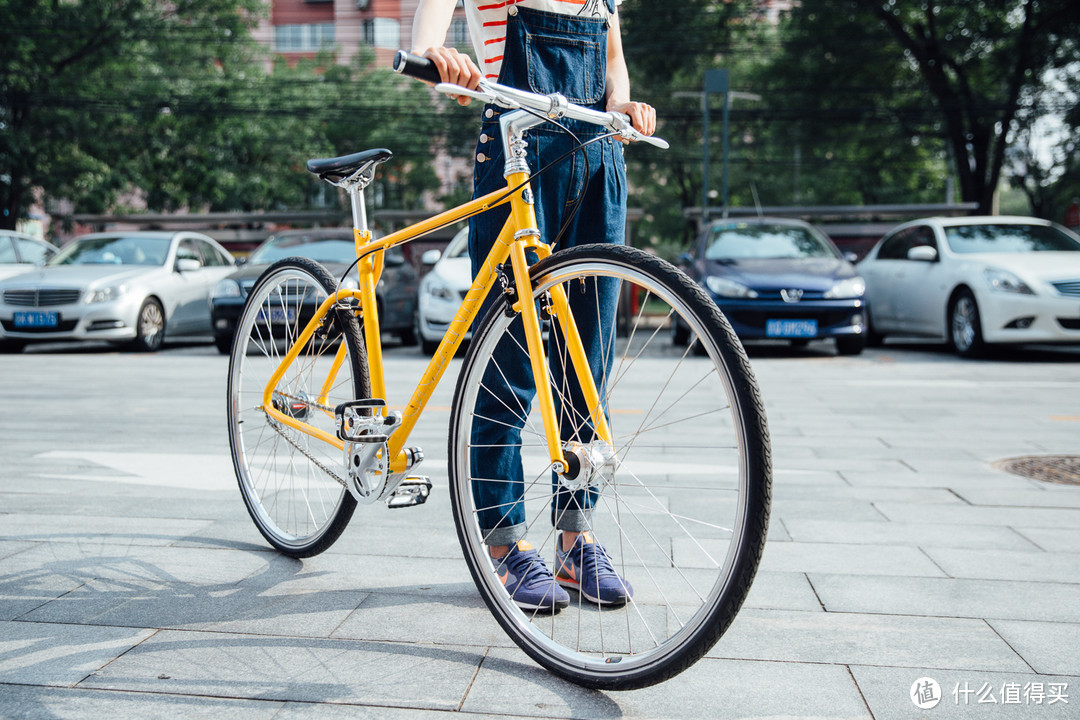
(292,482)
(680,499)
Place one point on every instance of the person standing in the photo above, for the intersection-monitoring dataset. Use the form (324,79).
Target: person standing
(572,47)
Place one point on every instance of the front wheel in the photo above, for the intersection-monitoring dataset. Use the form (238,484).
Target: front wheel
(965,326)
(679,498)
(292,483)
(149,327)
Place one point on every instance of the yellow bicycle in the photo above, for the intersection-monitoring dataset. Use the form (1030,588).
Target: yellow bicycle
(672,452)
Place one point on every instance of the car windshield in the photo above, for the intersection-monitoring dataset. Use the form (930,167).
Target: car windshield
(1008,238)
(335,249)
(118,250)
(745,241)
(458,247)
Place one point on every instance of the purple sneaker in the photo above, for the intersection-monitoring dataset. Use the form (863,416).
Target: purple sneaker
(587,568)
(528,580)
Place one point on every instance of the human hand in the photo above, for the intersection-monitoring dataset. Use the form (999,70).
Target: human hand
(642,116)
(455,68)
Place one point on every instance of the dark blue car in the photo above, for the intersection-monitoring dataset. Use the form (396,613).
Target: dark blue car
(780,279)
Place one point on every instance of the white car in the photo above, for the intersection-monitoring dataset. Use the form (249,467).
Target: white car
(974,281)
(442,290)
(20,253)
(129,287)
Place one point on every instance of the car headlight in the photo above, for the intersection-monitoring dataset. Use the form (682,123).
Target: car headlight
(439,291)
(105,294)
(728,288)
(849,288)
(1005,281)
(226,288)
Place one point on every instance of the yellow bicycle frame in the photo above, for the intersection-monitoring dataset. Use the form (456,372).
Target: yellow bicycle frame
(517,236)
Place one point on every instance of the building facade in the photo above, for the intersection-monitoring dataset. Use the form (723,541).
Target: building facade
(301,28)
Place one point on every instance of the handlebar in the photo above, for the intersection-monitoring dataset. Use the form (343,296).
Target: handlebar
(553,106)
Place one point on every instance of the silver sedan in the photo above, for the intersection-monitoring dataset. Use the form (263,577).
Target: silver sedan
(134,288)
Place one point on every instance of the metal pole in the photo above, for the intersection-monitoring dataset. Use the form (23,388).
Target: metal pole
(705,160)
(724,181)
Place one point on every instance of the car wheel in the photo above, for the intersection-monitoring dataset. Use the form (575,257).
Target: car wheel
(850,344)
(223,343)
(965,328)
(680,334)
(407,336)
(149,327)
(873,337)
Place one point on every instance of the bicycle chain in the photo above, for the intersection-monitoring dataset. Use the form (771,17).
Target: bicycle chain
(276,427)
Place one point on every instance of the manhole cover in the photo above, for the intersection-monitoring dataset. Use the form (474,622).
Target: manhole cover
(1060,469)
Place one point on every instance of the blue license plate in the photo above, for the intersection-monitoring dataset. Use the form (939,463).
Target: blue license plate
(37,319)
(277,316)
(791,328)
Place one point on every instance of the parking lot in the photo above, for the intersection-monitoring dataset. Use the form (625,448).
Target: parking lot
(133,583)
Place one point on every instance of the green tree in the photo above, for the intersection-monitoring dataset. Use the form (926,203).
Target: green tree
(974,61)
(77,82)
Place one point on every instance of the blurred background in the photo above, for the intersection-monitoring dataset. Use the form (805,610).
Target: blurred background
(852,114)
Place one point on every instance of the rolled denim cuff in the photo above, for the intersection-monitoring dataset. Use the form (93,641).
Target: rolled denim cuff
(506,535)
(574,519)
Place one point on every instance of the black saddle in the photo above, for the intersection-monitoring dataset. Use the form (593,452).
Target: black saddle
(342,167)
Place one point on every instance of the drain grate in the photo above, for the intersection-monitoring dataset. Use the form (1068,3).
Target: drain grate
(1059,469)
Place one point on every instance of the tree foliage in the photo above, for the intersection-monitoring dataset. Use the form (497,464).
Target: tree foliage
(170,105)
(973,64)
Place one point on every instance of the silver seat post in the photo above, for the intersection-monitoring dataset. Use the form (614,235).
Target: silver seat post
(355,185)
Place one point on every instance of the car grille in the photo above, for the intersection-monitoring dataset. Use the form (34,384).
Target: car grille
(1068,287)
(42,297)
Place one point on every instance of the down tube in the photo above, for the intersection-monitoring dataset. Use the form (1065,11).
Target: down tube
(455,334)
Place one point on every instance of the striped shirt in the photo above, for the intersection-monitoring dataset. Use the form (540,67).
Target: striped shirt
(487,24)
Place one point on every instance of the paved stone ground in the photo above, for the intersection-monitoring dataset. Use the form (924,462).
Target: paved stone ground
(133,584)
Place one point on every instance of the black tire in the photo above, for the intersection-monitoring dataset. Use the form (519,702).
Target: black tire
(223,343)
(149,327)
(873,337)
(680,334)
(850,344)
(722,433)
(407,337)
(965,325)
(284,475)
(11,346)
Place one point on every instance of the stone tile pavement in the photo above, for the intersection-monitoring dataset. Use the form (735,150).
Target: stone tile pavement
(132,583)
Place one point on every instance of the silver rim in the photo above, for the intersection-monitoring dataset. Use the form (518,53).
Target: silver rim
(284,473)
(672,511)
(151,323)
(963,323)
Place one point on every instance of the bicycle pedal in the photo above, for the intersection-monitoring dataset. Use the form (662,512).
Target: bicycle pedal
(354,427)
(412,491)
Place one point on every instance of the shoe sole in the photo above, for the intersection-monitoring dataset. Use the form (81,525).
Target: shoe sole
(542,608)
(597,601)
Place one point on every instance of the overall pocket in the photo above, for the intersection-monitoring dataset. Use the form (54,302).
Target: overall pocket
(573,66)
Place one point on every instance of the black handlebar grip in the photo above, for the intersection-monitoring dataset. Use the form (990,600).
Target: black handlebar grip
(417,67)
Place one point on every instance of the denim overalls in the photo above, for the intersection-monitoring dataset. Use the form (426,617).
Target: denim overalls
(546,52)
